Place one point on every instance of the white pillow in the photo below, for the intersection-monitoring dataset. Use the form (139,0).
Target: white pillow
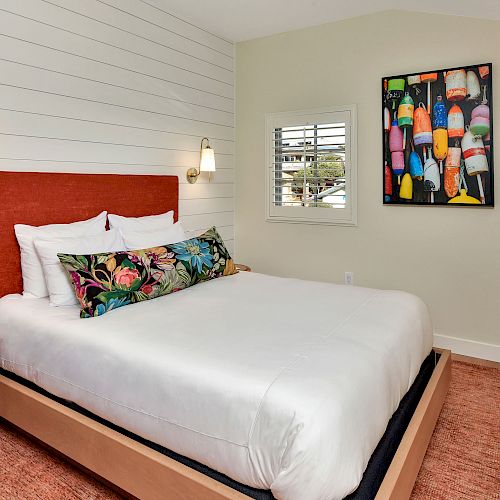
(147,223)
(137,240)
(33,279)
(61,291)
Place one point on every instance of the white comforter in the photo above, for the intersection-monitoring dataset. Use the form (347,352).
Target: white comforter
(278,383)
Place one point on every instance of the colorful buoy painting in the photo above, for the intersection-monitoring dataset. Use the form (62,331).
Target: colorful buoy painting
(438,137)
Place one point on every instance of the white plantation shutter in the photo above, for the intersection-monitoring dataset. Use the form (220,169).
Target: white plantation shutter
(310,168)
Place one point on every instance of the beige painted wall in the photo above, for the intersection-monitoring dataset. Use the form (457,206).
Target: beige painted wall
(449,257)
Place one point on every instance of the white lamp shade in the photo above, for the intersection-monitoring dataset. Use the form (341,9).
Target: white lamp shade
(207,160)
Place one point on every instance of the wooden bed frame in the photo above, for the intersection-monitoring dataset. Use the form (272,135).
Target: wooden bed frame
(148,474)
(124,462)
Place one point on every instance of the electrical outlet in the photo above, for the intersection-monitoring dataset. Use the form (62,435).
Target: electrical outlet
(349,278)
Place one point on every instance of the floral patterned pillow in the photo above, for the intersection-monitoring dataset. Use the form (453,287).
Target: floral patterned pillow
(109,280)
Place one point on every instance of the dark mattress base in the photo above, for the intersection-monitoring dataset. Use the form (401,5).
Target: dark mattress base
(374,473)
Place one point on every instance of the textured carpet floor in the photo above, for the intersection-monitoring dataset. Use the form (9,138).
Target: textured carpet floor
(462,461)
(30,472)
(463,457)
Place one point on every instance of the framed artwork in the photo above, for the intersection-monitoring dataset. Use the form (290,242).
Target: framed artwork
(438,137)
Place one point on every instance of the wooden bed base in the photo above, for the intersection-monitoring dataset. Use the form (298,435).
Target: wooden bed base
(147,474)
(402,473)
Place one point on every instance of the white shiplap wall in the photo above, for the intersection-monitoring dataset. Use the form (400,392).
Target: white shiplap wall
(118,86)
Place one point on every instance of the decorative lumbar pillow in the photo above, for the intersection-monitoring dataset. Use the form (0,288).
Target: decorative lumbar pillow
(60,289)
(135,240)
(106,281)
(33,279)
(146,223)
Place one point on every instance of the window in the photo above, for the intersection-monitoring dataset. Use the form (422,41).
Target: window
(311,166)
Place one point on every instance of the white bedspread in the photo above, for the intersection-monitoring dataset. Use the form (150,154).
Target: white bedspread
(278,383)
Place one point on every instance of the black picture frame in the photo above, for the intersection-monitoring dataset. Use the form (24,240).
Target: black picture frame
(421,188)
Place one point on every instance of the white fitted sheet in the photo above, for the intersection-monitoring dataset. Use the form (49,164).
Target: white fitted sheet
(279,383)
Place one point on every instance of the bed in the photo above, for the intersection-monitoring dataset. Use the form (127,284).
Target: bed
(223,373)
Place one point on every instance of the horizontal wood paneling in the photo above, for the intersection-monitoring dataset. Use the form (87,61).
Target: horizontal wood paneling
(222,176)
(54,41)
(31,99)
(48,147)
(199,222)
(188,28)
(25,124)
(118,86)
(205,206)
(84,27)
(23,52)
(158,18)
(191,44)
(224,231)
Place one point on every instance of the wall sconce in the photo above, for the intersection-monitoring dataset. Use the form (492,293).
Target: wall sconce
(207,163)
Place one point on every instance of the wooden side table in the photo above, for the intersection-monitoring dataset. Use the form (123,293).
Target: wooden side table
(243,267)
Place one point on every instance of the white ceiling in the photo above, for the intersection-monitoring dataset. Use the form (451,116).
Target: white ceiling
(238,20)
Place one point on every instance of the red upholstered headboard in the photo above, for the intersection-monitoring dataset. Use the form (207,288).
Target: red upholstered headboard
(55,198)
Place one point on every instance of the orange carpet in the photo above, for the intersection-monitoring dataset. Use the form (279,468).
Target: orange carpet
(29,472)
(462,461)
(463,457)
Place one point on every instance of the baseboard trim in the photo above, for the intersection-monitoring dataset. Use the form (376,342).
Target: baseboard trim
(469,348)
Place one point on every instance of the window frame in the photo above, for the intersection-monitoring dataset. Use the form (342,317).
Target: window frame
(315,215)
